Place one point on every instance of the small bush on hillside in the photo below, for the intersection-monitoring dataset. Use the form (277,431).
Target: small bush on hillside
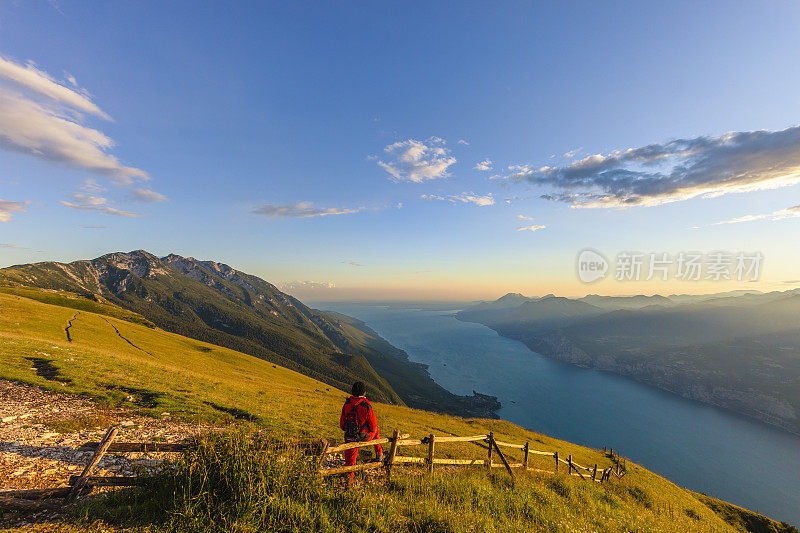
(641,496)
(691,513)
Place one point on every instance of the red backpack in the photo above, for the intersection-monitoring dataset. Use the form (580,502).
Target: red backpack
(353,430)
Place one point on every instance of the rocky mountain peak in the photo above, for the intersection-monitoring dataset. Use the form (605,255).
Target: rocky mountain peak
(140,263)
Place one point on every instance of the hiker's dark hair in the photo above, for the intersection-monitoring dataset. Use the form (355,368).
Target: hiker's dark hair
(359,389)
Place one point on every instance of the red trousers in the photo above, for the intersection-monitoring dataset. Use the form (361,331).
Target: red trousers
(351,455)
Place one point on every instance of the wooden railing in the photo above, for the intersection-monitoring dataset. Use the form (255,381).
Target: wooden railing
(83,484)
(487,442)
(38,499)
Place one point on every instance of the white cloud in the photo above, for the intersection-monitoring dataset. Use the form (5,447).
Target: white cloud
(486,164)
(90,185)
(572,153)
(530,228)
(466,197)
(37,81)
(789,212)
(673,171)
(523,217)
(418,161)
(462,141)
(482,200)
(48,120)
(146,196)
(435,197)
(300,210)
(89,202)
(7,207)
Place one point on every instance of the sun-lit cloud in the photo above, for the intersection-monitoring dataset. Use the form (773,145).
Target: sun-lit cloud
(12,246)
(146,196)
(48,120)
(89,202)
(523,217)
(300,210)
(530,228)
(465,197)
(38,81)
(7,208)
(789,212)
(92,227)
(418,161)
(572,153)
(673,171)
(486,164)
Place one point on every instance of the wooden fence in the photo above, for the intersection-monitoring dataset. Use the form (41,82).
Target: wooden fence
(488,442)
(83,484)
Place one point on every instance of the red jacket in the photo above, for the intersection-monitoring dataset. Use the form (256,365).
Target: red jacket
(364,412)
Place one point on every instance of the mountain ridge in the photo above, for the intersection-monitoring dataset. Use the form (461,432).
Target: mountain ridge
(740,351)
(213,302)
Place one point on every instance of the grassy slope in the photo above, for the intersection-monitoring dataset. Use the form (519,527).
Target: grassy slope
(226,314)
(185,373)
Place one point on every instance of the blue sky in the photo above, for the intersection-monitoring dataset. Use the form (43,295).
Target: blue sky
(333,150)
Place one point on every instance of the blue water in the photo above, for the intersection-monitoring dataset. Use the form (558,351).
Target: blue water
(696,446)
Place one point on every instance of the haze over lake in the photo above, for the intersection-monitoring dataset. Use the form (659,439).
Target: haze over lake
(697,446)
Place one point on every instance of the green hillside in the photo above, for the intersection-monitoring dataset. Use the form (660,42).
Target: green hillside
(215,303)
(110,357)
(242,313)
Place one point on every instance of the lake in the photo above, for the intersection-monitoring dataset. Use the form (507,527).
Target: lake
(697,446)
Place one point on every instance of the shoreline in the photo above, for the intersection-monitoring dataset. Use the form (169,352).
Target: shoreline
(566,352)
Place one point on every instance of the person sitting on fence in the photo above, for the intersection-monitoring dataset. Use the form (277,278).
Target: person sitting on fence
(359,424)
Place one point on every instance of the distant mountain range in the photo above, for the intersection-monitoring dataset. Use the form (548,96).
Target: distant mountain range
(213,302)
(737,350)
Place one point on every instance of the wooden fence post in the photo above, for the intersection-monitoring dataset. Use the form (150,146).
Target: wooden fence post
(489,454)
(505,462)
(392,453)
(431,445)
(556,456)
(322,452)
(569,461)
(525,461)
(80,484)
(594,472)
